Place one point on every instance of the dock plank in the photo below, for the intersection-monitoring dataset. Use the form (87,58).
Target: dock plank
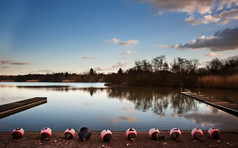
(222,105)
(15,107)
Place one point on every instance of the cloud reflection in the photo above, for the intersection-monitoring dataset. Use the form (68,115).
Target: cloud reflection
(88,104)
(128,109)
(212,119)
(122,118)
(129,119)
(113,120)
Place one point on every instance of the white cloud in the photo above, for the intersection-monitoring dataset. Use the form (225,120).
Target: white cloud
(206,8)
(113,41)
(210,19)
(12,62)
(192,20)
(130,42)
(188,6)
(2,62)
(119,65)
(226,3)
(227,16)
(116,41)
(103,69)
(161,46)
(88,57)
(114,67)
(176,46)
(213,54)
(128,52)
(221,41)
(159,13)
(19,63)
(233,57)
(223,18)
(44,71)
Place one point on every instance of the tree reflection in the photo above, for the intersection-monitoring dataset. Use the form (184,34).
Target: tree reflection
(182,104)
(47,88)
(91,90)
(155,99)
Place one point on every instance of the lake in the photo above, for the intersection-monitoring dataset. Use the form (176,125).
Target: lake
(98,107)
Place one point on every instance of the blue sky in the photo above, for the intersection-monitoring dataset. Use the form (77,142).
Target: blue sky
(46,36)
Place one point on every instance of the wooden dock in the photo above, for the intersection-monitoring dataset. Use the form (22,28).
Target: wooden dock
(15,107)
(222,105)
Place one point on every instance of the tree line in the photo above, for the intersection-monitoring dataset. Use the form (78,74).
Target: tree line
(55,77)
(181,72)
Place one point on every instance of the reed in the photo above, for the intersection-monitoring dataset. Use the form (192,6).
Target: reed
(230,81)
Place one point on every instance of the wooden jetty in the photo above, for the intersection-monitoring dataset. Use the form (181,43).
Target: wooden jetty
(222,105)
(15,107)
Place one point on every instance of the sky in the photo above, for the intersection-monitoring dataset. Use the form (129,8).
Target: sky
(48,36)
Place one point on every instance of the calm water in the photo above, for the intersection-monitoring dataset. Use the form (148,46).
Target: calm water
(98,107)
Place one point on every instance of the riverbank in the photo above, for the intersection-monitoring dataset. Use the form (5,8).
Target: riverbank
(32,139)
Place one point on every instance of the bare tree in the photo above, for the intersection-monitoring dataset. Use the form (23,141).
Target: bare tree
(158,63)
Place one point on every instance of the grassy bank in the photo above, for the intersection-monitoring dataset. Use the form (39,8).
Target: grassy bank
(229,82)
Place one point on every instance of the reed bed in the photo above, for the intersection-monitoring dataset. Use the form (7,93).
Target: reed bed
(230,81)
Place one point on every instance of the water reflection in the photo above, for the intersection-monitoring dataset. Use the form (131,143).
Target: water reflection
(155,99)
(48,88)
(62,88)
(220,120)
(91,90)
(121,118)
(144,99)
(113,108)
